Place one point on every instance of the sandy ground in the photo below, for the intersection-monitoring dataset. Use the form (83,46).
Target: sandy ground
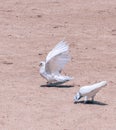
(29,29)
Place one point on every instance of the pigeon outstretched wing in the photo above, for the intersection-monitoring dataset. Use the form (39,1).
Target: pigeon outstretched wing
(57,58)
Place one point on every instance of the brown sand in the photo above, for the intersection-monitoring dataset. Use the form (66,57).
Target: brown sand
(29,29)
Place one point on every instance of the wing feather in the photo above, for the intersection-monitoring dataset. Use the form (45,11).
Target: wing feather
(57,58)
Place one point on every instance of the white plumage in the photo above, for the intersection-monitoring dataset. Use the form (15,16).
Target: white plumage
(54,63)
(89,91)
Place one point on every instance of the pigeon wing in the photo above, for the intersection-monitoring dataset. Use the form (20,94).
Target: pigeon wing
(92,88)
(57,58)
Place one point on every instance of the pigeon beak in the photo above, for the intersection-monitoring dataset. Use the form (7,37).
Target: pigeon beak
(77,97)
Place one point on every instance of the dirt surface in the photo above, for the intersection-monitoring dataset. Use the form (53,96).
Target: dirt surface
(29,29)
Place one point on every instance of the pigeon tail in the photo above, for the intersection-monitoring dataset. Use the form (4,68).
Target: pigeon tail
(63,78)
(100,84)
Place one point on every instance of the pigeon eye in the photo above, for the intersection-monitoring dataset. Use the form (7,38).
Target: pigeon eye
(40,64)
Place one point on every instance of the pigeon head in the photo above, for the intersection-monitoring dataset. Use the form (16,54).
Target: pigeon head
(42,63)
(77,97)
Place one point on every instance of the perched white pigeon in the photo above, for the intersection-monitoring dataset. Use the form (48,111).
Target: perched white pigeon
(89,91)
(54,63)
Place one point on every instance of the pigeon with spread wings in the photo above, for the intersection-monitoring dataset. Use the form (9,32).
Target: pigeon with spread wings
(51,68)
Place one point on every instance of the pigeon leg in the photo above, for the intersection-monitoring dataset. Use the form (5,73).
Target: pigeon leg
(85,99)
(49,84)
(93,98)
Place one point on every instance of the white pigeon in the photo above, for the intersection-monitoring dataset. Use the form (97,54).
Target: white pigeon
(89,91)
(51,68)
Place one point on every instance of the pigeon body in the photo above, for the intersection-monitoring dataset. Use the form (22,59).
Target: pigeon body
(51,68)
(89,91)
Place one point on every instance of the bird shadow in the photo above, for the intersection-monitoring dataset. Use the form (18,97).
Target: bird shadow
(57,86)
(92,103)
